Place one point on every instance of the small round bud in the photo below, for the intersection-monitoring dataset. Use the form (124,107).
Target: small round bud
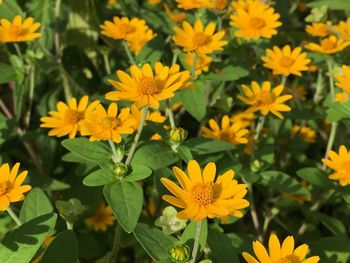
(256,165)
(179,253)
(120,170)
(177,135)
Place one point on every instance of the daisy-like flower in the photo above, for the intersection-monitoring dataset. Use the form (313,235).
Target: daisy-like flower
(202,197)
(102,218)
(285,61)
(305,133)
(245,118)
(340,163)
(154,2)
(107,125)
(244,4)
(146,88)
(264,99)
(329,45)
(11,188)
(18,30)
(177,18)
(202,63)
(284,253)
(66,120)
(230,132)
(199,39)
(343,82)
(343,28)
(155,116)
(124,28)
(319,29)
(136,43)
(192,4)
(258,21)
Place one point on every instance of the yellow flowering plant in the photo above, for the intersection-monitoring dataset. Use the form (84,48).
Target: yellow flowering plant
(179,131)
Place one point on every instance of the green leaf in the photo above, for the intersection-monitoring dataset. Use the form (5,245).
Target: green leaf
(155,155)
(338,111)
(184,152)
(334,225)
(152,51)
(100,177)
(332,4)
(221,247)
(125,199)
(91,151)
(138,172)
(282,182)
(228,73)
(332,249)
(35,204)
(9,9)
(22,243)
(154,241)
(7,73)
(205,146)
(194,100)
(189,234)
(315,176)
(62,249)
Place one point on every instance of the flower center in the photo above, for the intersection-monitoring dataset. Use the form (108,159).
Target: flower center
(18,31)
(289,259)
(110,122)
(257,23)
(328,44)
(264,98)
(203,193)
(286,61)
(147,86)
(4,187)
(127,29)
(73,116)
(227,136)
(201,39)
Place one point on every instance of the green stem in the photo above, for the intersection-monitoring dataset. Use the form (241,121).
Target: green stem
(137,136)
(128,53)
(106,63)
(196,241)
(330,75)
(176,54)
(284,81)
(259,127)
(70,226)
(330,142)
(66,88)
(18,50)
(114,151)
(194,62)
(170,114)
(116,243)
(319,87)
(31,96)
(14,216)
(253,212)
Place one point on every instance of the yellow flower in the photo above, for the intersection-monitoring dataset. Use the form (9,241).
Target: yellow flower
(176,18)
(199,39)
(264,99)
(11,188)
(136,43)
(343,82)
(298,92)
(219,4)
(18,30)
(244,118)
(306,133)
(340,163)
(154,2)
(112,2)
(66,120)
(343,28)
(102,218)
(258,21)
(202,63)
(145,88)
(319,29)
(230,132)
(107,125)
(278,253)
(202,197)
(286,61)
(155,116)
(328,45)
(191,4)
(124,28)
(245,4)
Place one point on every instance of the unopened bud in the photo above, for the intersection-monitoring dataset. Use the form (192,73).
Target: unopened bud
(177,135)
(256,165)
(70,210)
(179,253)
(120,170)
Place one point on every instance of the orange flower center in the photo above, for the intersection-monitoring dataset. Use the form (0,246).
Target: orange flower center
(4,187)
(201,39)
(127,29)
(18,31)
(257,23)
(286,62)
(110,122)
(73,116)
(147,86)
(289,259)
(328,44)
(203,193)
(264,98)
(227,136)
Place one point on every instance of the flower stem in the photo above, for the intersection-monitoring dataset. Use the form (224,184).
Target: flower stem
(31,96)
(116,243)
(128,53)
(170,114)
(137,136)
(330,75)
(106,63)
(259,127)
(253,212)
(114,151)
(284,81)
(196,241)
(14,216)
(330,141)
(194,62)
(319,87)
(18,50)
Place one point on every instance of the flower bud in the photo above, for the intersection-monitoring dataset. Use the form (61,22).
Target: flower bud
(256,165)
(179,253)
(177,135)
(70,210)
(120,170)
